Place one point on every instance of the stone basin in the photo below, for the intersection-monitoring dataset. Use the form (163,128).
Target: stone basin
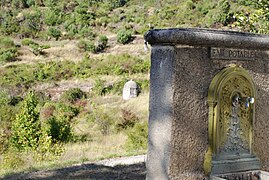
(249,175)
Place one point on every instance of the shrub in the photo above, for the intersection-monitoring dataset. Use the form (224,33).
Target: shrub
(38,49)
(19,4)
(101,43)
(26,127)
(7,55)
(103,120)
(128,119)
(47,111)
(47,150)
(58,124)
(43,72)
(224,16)
(53,17)
(86,46)
(32,24)
(66,111)
(73,95)
(99,87)
(103,39)
(8,51)
(118,3)
(50,3)
(124,37)
(56,33)
(28,41)
(86,32)
(31,2)
(59,129)
(142,66)
(14,100)
(83,15)
(8,111)
(7,115)
(137,137)
(8,23)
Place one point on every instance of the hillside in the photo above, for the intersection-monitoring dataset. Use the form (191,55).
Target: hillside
(63,65)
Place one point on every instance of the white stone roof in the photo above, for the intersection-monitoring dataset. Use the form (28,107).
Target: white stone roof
(130,84)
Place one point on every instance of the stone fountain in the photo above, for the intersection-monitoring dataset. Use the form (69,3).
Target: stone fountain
(209,101)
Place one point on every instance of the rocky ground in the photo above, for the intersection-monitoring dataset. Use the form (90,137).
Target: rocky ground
(120,168)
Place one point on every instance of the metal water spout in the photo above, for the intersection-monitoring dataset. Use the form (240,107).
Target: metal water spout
(248,100)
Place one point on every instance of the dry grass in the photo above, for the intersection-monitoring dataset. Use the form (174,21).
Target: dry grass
(134,48)
(103,147)
(100,146)
(68,50)
(113,103)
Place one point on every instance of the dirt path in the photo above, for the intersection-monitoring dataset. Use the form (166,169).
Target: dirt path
(132,168)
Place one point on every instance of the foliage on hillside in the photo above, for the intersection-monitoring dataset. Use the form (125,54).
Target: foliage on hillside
(8,50)
(29,75)
(84,19)
(91,21)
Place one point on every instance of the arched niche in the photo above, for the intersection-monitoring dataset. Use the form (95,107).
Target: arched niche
(231,99)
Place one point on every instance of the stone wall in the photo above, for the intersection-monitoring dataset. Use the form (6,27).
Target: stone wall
(189,127)
(179,114)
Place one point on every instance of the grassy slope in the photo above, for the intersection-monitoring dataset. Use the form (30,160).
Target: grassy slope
(97,146)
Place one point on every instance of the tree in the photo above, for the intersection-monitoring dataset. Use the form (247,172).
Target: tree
(26,129)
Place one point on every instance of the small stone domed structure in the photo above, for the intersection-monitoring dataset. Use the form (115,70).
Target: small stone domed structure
(130,90)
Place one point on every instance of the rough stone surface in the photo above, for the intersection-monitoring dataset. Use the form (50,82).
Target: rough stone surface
(161,100)
(178,97)
(189,128)
(261,126)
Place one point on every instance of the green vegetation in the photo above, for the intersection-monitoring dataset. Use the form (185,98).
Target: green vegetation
(80,19)
(124,36)
(43,124)
(72,95)
(8,50)
(88,45)
(36,129)
(138,137)
(26,127)
(35,47)
(29,75)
